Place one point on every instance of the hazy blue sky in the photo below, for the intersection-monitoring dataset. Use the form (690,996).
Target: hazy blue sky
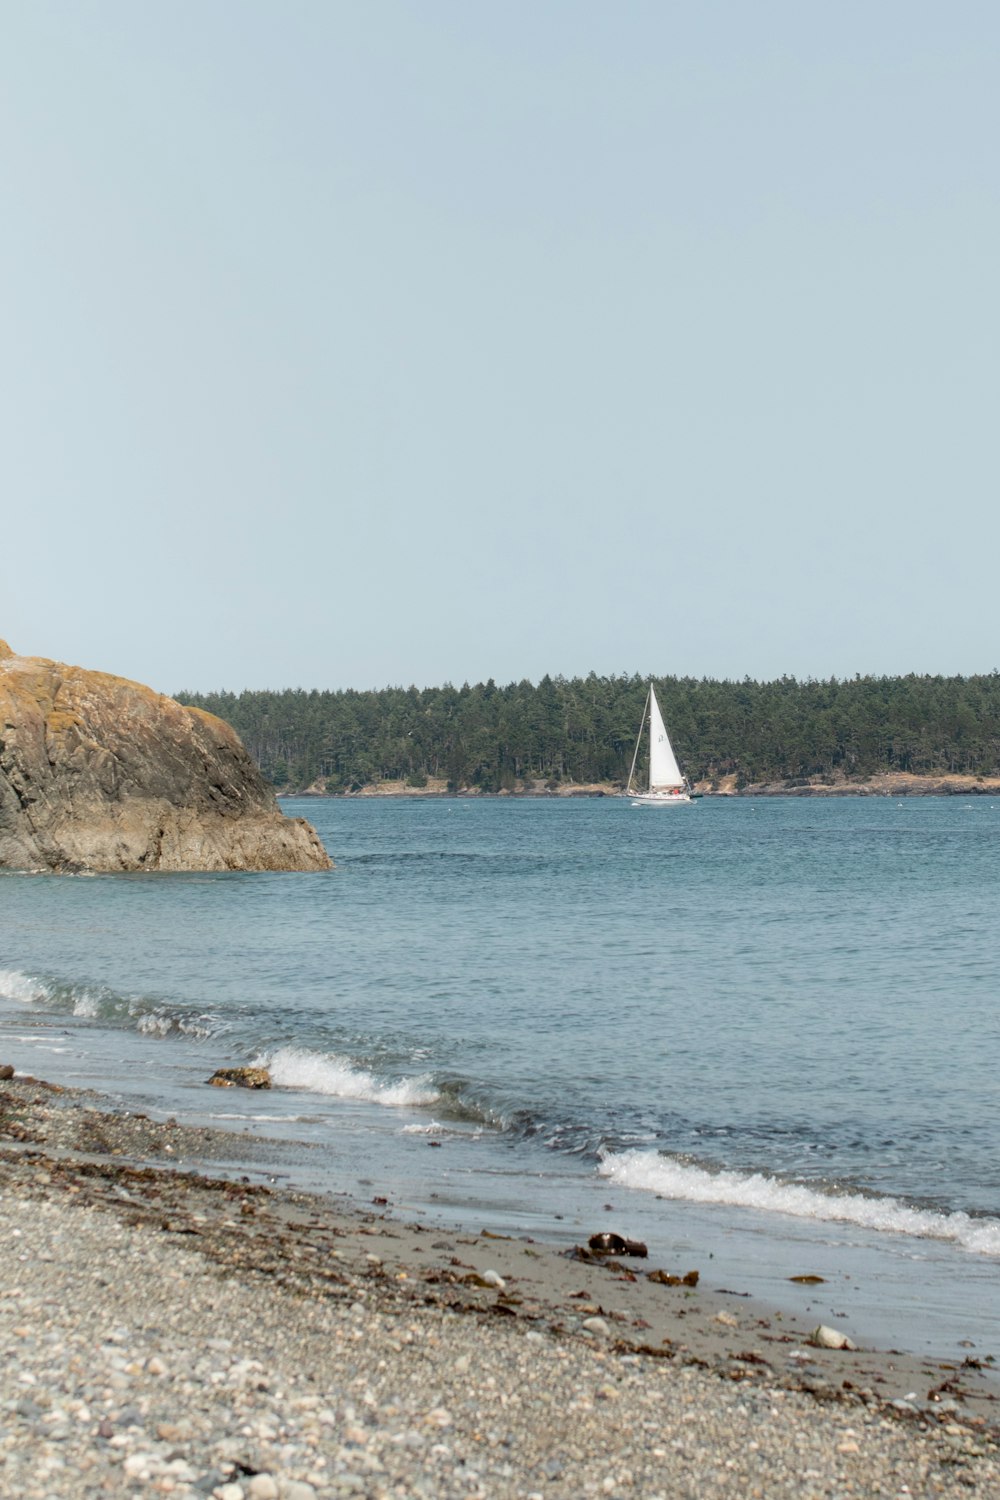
(410,341)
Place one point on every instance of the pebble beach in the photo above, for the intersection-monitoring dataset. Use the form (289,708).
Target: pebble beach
(171,1331)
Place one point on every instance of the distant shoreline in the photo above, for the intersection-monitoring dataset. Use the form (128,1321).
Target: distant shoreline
(895,784)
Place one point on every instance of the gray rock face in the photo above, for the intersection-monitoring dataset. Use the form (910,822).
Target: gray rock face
(98,773)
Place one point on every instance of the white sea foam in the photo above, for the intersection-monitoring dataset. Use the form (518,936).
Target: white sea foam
(89,1003)
(326,1073)
(155,1023)
(28,990)
(651,1172)
(162,1023)
(22,987)
(220,1114)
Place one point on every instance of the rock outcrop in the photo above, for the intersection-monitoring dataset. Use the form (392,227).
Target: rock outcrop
(240,1078)
(98,773)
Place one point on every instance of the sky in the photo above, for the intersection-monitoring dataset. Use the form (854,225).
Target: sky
(420,341)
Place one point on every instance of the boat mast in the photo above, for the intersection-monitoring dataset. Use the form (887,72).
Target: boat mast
(638,742)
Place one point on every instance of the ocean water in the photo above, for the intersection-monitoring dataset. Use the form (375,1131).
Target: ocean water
(763,1034)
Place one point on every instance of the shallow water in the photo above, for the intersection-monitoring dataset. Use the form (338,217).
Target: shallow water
(764,1030)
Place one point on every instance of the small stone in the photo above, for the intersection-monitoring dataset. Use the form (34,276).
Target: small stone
(241,1078)
(228,1492)
(493,1278)
(170,1432)
(727,1319)
(607,1243)
(181,1471)
(596,1326)
(830,1338)
(262,1487)
(297,1489)
(205,1484)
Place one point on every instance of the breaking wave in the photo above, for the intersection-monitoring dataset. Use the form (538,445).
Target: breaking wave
(649,1171)
(338,1077)
(23,987)
(98,1002)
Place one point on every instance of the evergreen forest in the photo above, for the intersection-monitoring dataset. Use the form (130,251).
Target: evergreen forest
(584,729)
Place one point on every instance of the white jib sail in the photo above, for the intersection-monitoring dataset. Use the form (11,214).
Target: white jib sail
(664,772)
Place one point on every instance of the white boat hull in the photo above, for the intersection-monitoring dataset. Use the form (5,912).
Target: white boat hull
(658,799)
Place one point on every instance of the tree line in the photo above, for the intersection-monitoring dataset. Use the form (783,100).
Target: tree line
(583,729)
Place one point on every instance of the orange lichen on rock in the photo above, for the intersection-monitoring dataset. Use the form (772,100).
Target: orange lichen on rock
(100,773)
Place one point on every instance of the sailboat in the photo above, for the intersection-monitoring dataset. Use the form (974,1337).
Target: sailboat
(667,787)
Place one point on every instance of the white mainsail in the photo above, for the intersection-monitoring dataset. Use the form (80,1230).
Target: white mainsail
(664,772)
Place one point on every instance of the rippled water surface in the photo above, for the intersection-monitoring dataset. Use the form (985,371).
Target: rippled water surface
(785,1006)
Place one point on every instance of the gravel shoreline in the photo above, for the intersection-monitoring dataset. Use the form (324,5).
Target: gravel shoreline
(170,1332)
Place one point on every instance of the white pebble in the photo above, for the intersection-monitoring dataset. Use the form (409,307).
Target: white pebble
(830,1338)
(596,1326)
(262,1487)
(297,1489)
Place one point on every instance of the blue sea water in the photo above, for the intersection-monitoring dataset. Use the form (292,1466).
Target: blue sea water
(765,1031)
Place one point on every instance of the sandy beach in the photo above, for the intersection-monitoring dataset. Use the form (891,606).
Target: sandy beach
(172,1331)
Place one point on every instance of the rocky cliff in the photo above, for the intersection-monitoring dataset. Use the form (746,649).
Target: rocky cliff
(98,773)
